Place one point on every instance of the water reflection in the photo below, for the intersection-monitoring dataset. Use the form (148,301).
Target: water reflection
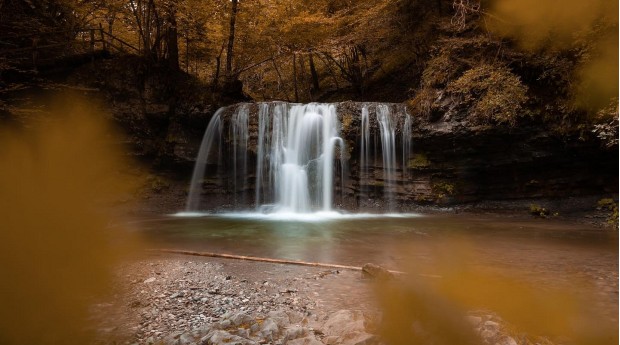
(355,241)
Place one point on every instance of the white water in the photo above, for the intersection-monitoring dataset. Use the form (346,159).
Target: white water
(240,135)
(364,143)
(406,141)
(314,217)
(388,146)
(305,165)
(299,153)
(295,156)
(213,132)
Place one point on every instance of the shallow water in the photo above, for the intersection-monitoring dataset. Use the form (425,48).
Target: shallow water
(543,251)
(387,239)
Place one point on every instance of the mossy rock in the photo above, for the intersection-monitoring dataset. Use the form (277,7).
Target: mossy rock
(539,211)
(419,161)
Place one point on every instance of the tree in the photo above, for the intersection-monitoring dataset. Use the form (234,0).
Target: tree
(231,41)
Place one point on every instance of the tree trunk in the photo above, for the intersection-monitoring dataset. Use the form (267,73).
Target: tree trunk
(231,39)
(187,52)
(216,78)
(304,78)
(147,32)
(218,63)
(314,74)
(172,42)
(295,78)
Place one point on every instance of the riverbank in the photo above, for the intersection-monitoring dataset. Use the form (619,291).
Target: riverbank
(167,297)
(181,300)
(175,299)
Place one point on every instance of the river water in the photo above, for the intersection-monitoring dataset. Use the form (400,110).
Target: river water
(541,252)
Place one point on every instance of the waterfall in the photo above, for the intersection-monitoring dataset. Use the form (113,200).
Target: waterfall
(364,142)
(388,146)
(300,155)
(406,141)
(305,165)
(261,148)
(240,149)
(213,132)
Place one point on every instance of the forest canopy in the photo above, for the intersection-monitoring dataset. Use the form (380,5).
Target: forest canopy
(554,60)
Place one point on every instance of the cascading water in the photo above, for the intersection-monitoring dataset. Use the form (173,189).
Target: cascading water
(406,141)
(364,154)
(213,133)
(240,149)
(300,155)
(295,153)
(388,145)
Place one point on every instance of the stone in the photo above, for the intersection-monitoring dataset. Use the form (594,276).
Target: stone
(294,317)
(269,329)
(376,272)
(186,339)
(240,318)
(220,337)
(309,340)
(172,338)
(331,340)
(225,324)
(488,335)
(254,328)
(243,332)
(150,280)
(489,330)
(360,338)
(294,332)
(344,322)
(348,328)
(280,317)
(506,340)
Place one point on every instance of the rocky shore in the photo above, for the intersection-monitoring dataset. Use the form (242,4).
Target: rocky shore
(186,300)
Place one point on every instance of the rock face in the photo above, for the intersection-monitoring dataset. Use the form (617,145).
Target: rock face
(449,161)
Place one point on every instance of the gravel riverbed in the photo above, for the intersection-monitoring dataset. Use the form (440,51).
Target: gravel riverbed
(174,299)
(163,297)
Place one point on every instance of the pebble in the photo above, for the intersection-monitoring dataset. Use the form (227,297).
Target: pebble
(219,310)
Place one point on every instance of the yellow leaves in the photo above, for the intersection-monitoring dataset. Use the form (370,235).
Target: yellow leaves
(534,22)
(430,303)
(591,26)
(492,93)
(56,248)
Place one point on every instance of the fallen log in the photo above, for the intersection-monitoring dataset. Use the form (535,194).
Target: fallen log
(269,260)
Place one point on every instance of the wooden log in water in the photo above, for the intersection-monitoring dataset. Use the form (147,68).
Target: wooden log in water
(269,260)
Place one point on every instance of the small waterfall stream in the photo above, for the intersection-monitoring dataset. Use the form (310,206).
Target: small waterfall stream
(213,132)
(240,137)
(301,155)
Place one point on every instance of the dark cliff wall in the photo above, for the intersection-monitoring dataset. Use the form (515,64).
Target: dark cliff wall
(450,162)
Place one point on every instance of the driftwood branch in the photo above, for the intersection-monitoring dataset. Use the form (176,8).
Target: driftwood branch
(269,260)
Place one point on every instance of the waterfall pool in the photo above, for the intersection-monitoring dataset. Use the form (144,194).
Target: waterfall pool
(543,252)
(391,239)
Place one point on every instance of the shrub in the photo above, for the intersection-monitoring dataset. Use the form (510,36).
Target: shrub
(537,210)
(419,160)
(490,94)
(608,204)
(443,189)
(607,127)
